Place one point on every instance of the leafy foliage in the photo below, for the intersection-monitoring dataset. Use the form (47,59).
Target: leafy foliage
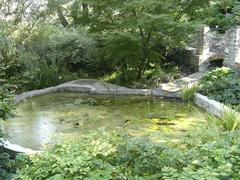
(6,103)
(207,155)
(219,73)
(221,15)
(69,49)
(139,35)
(6,107)
(7,166)
(42,76)
(90,38)
(223,85)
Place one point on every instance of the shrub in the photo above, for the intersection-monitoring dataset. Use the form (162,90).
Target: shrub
(6,106)
(6,103)
(69,49)
(50,56)
(222,85)
(43,75)
(7,166)
(216,74)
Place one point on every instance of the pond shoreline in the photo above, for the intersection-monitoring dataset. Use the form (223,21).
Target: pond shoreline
(98,87)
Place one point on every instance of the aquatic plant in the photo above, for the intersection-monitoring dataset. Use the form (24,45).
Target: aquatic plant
(230,120)
(188,93)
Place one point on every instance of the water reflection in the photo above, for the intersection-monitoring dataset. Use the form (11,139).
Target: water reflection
(43,129)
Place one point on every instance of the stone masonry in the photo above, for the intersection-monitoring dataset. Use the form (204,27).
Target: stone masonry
(214,46)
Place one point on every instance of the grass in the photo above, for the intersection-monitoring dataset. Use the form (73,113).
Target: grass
(230,120)
(188,93)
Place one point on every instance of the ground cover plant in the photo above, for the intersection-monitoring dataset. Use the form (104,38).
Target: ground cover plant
(7,164)
(222,84)
(202,155)
(6,101)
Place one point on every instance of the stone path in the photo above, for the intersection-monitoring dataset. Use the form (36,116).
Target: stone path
(178,84)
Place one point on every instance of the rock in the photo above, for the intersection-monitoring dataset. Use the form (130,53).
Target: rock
(78,123)
(86,115)
(127,121)
(165,124)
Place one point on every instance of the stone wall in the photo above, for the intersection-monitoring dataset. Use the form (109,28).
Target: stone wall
(232,47)
(214,46)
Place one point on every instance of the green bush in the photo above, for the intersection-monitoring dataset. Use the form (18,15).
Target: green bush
(7,166)
(69,49)
(6,107)
(230,120)
(6,103)
(43,75)
(216,74)
(50,56)
(203,155)
(222,85)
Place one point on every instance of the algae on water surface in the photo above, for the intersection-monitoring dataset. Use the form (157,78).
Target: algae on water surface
(39,120)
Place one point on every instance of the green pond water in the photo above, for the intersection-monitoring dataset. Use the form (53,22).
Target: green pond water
(45,119)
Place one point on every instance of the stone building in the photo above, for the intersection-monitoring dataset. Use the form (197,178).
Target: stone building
(216,49)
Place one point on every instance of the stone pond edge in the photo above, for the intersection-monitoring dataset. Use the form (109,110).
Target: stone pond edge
(211,106)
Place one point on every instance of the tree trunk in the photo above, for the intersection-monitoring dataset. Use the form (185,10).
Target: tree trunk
(143,61)
(61,17)
(85,10)
(85,13)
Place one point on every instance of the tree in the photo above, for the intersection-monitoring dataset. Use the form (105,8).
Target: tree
(138,32)
(221,15)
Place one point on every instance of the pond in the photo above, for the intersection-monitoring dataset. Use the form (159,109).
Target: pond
(45,119)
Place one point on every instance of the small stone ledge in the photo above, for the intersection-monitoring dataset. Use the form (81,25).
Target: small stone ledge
(14,149)
(95,87)
(213,107)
